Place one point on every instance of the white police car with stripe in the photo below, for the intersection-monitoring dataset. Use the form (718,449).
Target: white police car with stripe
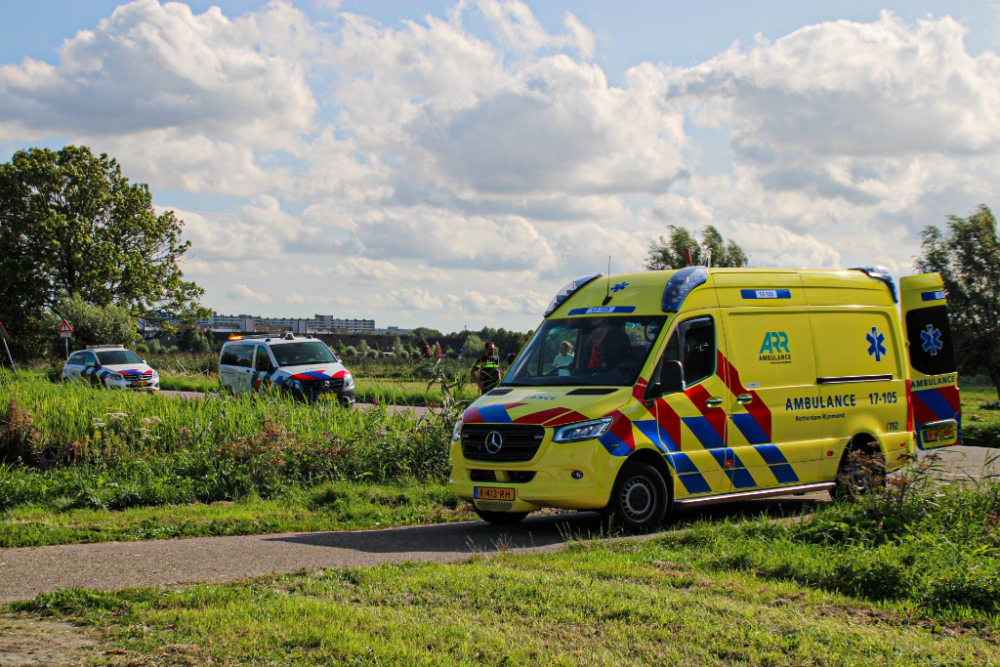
(111,366)
(303,367)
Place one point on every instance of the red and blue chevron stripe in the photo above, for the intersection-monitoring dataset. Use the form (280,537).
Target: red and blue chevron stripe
(931,405)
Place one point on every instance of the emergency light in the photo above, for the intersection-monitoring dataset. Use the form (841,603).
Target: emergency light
(568,291)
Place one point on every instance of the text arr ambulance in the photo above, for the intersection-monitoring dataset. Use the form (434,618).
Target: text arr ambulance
(702,385)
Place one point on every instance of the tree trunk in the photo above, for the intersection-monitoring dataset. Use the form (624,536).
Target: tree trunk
(995,378)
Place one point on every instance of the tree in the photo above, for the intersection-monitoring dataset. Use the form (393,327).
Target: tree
(92,325)
(473,347)
(967,255)
(426,332)
(72,225)
(669,253)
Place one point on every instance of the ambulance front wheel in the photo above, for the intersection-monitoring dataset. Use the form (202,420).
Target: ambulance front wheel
(639,498)
(501,518)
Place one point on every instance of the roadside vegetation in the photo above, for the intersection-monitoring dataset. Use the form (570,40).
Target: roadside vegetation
(906,577)
(78,463)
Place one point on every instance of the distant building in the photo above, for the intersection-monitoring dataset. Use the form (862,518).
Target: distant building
(399,331)
(317,324)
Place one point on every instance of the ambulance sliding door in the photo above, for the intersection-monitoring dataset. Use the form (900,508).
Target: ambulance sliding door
(772,377)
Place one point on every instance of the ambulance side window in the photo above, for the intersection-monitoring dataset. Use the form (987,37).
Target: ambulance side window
(698,341)
(693,344)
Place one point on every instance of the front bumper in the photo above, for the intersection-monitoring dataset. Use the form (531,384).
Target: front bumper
(553,484)
(310,394)
(142,385)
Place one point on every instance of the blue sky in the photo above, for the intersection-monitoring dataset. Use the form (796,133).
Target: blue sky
(365,160)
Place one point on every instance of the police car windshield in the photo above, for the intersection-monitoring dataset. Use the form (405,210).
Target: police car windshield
(117,358)
(300,354)
(607,351)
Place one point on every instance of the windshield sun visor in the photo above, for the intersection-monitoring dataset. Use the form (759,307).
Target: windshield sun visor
(680,285)
(568,291)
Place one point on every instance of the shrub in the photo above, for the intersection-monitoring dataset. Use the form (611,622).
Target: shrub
(374,353)
(351,351)
(142,348)
(92,325)
(155,346)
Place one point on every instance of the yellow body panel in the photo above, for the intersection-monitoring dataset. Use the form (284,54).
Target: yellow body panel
(806,361)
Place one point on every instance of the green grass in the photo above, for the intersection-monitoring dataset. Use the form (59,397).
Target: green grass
(388,392)
(330,506)
(980,425)
(666,601)
(66,448)
(174,381)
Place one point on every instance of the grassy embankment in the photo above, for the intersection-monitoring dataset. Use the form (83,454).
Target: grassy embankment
(909,577)
(87,465)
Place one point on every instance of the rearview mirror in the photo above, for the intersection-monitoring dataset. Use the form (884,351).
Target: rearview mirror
(668,379)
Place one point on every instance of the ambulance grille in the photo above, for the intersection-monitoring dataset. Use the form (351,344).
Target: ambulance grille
(520,441)
(494,505)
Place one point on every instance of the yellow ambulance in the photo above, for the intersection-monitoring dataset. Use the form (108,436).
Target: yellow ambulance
(645,391)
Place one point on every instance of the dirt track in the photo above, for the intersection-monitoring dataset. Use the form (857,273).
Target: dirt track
(27,572)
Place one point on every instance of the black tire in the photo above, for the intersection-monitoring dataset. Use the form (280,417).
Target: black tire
(862,470)
(639,498)
(501,518)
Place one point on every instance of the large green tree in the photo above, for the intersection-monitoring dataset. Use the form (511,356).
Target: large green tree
(967,255)
(668,253)
(72,224)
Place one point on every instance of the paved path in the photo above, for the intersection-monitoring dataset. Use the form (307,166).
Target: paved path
(966,464)
(197,395)
(27,572)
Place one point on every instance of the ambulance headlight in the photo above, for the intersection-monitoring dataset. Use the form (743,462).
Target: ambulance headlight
(583,431)
(456,433)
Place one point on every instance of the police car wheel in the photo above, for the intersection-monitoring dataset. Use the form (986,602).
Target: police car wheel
(862,470)
(639,498)
(501,518)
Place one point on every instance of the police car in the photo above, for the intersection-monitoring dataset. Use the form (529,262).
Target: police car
(304,367)
(111,366)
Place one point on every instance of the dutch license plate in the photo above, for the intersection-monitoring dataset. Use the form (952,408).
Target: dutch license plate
(492,493)
(939,434)
(327,396)
(139,384)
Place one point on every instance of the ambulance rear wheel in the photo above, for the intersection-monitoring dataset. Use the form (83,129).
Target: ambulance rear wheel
(501,518)
(639,498)
(862,471)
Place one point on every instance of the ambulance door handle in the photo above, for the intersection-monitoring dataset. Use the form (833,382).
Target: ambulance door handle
(713,402)
(744,399)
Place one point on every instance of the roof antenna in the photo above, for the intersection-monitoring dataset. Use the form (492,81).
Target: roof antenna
(607,296)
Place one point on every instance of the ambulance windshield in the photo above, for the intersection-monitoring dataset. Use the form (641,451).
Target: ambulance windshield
(607,351)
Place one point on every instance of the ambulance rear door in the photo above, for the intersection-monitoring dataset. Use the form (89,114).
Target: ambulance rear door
(933,385)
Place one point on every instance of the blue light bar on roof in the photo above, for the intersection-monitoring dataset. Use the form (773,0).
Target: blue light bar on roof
(568,291)
(883,274)
(680,285)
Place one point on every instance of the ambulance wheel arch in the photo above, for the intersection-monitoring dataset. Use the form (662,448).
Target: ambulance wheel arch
(861,469)
(639,465)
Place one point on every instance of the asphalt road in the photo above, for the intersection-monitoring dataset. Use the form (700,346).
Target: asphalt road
(24,573)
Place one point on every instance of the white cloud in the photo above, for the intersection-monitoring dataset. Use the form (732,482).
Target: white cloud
(240,292)
(425,171)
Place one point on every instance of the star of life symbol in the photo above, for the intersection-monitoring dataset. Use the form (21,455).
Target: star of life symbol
(619,287)
(932,340)
(875,347)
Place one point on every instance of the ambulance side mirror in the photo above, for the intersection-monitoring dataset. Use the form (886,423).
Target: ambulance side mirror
(668,379)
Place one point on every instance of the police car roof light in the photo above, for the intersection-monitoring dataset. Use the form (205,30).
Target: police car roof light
(569,290)
(289,336)
(309,335)
(680,285)
(883,274)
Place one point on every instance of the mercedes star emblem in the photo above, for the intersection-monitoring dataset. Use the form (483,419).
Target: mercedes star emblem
(326,384)
(494,441)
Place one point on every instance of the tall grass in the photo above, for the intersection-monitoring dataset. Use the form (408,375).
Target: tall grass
(97,448)
(933,546)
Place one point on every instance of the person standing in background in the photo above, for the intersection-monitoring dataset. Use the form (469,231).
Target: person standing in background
(486,372)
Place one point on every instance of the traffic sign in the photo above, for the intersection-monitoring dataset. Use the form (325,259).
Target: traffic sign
(3,333)
(65,330)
